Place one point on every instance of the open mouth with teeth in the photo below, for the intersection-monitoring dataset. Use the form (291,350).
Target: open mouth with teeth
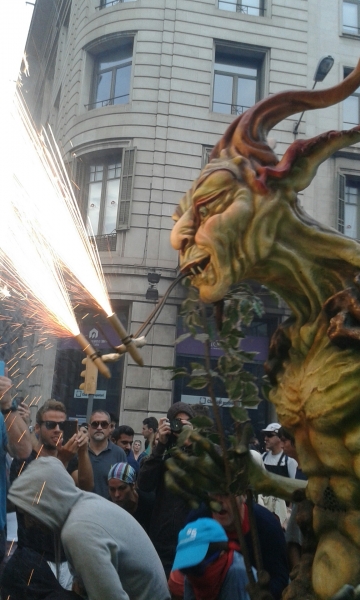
(196,268)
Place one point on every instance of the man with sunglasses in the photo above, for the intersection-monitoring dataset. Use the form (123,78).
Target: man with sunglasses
(35,553)
(103,453)
(275,460)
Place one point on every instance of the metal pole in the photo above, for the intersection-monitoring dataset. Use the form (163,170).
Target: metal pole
(90,403)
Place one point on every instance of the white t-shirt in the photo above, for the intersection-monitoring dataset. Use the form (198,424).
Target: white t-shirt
(273,459)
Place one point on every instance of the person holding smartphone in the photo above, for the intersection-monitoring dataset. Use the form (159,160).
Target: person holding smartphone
(32,569)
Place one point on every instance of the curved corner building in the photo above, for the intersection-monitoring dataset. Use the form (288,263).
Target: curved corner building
(137,93)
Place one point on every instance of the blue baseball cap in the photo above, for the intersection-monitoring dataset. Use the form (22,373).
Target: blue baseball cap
(194,540)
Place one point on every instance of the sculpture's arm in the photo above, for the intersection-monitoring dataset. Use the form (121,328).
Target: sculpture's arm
(269,484)
(196,475)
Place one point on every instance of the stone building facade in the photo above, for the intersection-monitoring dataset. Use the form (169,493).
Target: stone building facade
(138,92)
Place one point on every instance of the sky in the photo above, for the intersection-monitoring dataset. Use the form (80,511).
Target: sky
(14,26)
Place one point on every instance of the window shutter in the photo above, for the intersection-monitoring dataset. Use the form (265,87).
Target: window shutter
(126,188)
(341,202)
(76,172)
(206,155)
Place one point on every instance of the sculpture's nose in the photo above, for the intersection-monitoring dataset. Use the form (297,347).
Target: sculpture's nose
(183,233)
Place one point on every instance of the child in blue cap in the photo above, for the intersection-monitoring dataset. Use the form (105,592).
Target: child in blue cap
(213,567)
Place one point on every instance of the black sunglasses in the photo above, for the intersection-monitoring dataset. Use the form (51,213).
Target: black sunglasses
(103,424)
(52,424)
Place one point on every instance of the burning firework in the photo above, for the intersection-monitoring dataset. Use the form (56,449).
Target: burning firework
(45,241)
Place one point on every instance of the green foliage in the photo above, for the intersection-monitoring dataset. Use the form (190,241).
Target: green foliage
(203,471)
(239,307)
(206,471)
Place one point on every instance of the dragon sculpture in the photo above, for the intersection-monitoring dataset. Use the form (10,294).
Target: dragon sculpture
(241,220)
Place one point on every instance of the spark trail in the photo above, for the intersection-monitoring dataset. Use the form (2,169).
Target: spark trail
(54,211)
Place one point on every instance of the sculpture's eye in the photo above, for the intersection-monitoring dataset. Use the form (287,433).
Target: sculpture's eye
(203,211)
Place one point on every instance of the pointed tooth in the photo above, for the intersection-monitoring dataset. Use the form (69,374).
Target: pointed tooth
(193,271)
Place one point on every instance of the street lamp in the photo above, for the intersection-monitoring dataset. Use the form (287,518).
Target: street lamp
(321,71)
(152,292)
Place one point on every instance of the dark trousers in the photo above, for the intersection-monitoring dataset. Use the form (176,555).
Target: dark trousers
(27,576)
(2,544)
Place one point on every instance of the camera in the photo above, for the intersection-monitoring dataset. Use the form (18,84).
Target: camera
(176,425)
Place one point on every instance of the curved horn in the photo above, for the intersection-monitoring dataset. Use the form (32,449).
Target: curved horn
(302,159)
(247,134)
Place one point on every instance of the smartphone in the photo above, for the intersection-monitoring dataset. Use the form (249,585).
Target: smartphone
(69,428)
(2,368)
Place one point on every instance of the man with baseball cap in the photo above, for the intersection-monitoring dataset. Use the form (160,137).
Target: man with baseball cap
(124,493)
(277,462)
(213,565)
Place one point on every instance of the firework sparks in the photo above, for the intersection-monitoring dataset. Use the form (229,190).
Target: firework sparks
(22,435)
(39,273)
(31,574)
(39,451)
(53,208)
(9,551)
(21,468)
(4,292)
(40,493)
(37,213)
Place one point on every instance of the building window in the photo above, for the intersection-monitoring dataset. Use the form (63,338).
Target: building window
(105,3)
(237,79)
(112,76)
(349,206)
(108,189)
(351,107)
(247,7)
(103,196)
(351,17)
(205,159)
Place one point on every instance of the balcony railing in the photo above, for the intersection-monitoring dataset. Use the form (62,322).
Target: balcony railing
(235,109)
(108,102)
(104,243)
(258,11)
(110,3)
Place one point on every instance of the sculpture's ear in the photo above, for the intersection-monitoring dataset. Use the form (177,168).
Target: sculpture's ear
(300,162)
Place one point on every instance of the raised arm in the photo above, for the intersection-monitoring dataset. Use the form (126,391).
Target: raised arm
(152,468)
(75,451)
(19,442)
(84,476)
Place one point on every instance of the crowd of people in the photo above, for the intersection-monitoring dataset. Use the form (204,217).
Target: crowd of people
(96,520)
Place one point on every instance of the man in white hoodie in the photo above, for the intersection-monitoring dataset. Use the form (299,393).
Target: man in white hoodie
(109,551)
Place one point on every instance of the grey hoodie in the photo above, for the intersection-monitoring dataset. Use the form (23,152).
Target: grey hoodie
(108,549)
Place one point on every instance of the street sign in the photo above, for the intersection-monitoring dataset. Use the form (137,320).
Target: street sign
(99,395)
(206,400)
